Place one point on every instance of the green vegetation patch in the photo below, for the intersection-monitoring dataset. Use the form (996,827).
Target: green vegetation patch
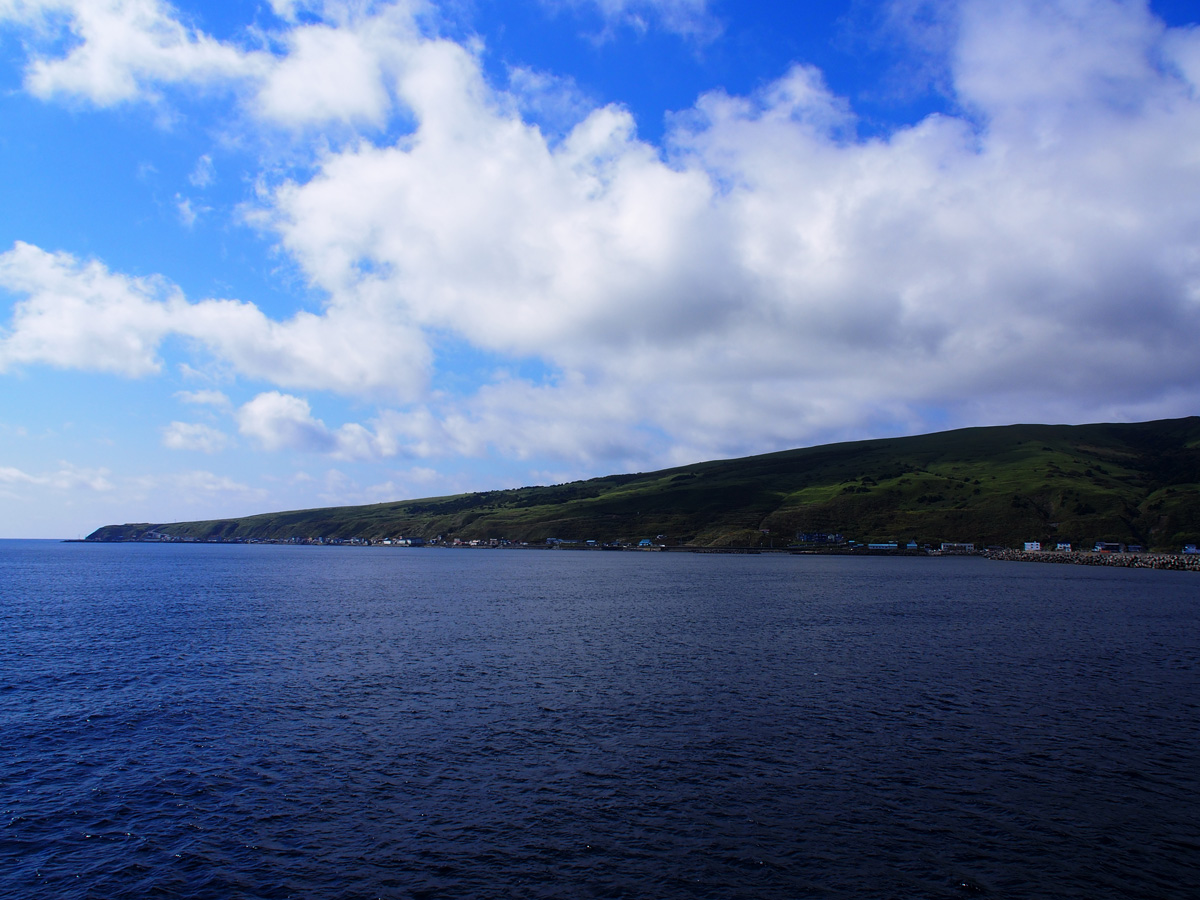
(1133,483)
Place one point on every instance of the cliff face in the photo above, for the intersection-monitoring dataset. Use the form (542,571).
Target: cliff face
(1132,483)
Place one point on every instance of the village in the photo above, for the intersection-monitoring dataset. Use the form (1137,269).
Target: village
(1100,553)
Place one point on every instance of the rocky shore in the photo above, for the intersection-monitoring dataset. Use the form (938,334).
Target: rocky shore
(1179,561)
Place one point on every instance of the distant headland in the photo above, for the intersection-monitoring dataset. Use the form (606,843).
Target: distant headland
(1061,488)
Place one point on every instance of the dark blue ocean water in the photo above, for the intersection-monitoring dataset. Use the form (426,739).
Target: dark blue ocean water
(260,721)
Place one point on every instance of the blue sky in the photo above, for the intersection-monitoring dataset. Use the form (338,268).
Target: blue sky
(258,256)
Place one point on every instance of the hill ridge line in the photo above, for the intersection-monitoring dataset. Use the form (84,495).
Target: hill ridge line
(1132,483)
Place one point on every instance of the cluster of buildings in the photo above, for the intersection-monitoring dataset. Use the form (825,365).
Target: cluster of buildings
(820,541)
(805,541)
(1099,547)
(1066,547)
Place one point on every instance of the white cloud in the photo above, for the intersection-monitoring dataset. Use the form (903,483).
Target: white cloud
(217,399)
(337,72)
(80,315)
(178,497)
(774,278)
(688,17)
(336,487)
(70,500)
(1057,60)
(194,436)
(518,419)
(187,214)
(476,226)
(281,421)
(276,421)
(66,478)
(10,475)
(764,278)
(364,349)
(554,102)
(122,50)
(127,51)
(1181,50)
(203,174)
(188,484)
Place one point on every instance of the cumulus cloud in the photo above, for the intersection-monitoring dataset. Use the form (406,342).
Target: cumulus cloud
(121,50)
(280,421)
(771,274)
(765,277)
(276,421)
(337,72)
(80,315)
(332,70)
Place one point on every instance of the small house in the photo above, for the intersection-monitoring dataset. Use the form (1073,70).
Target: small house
(957,547)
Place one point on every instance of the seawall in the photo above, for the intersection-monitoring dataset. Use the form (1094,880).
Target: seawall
(1187,562)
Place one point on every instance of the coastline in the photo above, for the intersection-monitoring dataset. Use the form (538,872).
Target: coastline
(1168,561)
(1174,561)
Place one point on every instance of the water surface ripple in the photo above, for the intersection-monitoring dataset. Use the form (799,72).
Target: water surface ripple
(270,722)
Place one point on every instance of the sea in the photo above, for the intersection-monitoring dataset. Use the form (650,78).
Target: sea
(230,721)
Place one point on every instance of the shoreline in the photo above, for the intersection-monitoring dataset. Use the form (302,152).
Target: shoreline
(1178,562)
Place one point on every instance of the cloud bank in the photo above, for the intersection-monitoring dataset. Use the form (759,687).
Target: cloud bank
(764,278)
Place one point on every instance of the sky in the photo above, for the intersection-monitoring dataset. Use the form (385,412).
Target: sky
(276,255)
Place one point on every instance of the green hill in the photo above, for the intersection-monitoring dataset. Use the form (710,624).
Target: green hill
(1134,483)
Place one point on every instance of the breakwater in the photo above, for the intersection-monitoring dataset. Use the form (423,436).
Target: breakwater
(1178,561)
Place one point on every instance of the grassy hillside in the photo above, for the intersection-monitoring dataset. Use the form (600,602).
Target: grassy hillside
(1122,482)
